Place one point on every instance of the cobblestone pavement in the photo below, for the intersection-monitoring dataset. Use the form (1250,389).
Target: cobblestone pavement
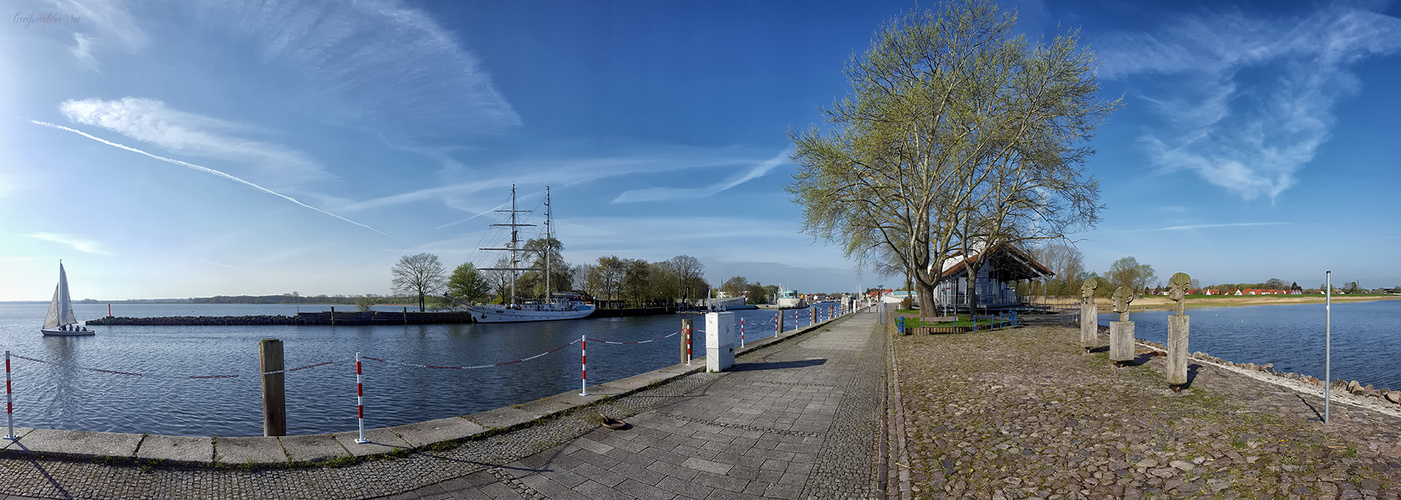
(798,419)
(1025,413)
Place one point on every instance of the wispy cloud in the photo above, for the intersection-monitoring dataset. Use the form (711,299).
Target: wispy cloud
(376,64)
(1190,227)
(667,193)
(1248,100)
(152,121)
(100,21)
(210,171)
(76,242)
(558,173)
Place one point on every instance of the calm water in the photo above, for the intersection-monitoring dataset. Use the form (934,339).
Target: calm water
(1365,337)
(165,400)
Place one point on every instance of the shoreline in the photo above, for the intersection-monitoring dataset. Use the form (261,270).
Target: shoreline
(1157,303)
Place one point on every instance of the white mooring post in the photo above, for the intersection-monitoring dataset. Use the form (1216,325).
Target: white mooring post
(9,400)
(1327,346)
(360,400)
(741,332)
(583,365)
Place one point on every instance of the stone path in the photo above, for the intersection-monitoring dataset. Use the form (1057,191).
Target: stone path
(799,419)
(1023,413)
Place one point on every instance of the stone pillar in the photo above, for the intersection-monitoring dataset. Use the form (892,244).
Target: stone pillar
(1177,350)
(1089,325)
(1120,342)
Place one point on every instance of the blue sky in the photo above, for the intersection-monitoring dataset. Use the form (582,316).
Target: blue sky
(193,149)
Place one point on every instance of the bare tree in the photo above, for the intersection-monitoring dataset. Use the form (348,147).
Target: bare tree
(420,275)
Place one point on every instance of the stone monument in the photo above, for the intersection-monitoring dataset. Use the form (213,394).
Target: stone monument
(1089,315)
(1177,332)
(1121,332)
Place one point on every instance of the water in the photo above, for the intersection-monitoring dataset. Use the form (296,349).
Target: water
(164,399)
(1291,336)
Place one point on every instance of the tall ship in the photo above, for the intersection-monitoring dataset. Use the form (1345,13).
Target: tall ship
(555,306)
(60,322)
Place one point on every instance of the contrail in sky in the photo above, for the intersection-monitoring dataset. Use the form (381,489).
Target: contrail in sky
(211,172)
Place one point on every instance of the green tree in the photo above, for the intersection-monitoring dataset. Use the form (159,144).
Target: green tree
(418,275)
(469,284)
(545,253)
(735,286)
(1128,272)
(956,134)
(637,277)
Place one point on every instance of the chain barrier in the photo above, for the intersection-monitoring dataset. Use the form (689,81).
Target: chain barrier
(673,334)
(442,367)
(134,374)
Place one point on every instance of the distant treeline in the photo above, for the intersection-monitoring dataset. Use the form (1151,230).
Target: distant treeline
(292,298)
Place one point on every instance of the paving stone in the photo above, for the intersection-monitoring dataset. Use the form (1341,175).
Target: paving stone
(312,448)
(177,448)
(437,431)
(101,444)
(248,450)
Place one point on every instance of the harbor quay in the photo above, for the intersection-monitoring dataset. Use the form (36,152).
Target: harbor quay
(797,416)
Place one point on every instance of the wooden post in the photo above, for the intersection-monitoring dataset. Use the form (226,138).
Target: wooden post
(274,395)
(1121,337)
(406,315)
(333,322)
(685,337)
(1178,325)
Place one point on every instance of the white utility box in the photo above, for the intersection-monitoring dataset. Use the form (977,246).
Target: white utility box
(719,341)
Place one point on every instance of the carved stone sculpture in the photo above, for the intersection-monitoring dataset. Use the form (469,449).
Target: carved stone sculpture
(1121,333)
(1089,315)
(1177,290)
(1177,332)
(1123,296)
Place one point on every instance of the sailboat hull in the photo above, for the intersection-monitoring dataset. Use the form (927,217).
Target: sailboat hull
(504,314)
(63,333)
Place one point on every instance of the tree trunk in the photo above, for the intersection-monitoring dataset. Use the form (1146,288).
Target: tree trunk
(972,268)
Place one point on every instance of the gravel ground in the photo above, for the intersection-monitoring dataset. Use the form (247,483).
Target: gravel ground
(1025,413)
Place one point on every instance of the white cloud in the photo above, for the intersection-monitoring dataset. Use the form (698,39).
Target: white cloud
(667,193)
(210,171)
(376,64)
(1247,101)
(1190,227)
(76,242)
(82,50)
(152,121)
(100,20)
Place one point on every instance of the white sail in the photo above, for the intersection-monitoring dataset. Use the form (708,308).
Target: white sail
(61,308)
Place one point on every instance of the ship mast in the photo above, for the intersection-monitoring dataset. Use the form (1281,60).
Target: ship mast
(512,246)
(549,248)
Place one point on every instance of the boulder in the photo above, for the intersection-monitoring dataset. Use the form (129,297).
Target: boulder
(1394,397)
(1354,387)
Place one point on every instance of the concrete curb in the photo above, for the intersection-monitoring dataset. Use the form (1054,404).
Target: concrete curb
(334,448)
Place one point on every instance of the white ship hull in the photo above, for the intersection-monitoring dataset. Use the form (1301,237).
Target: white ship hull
(54,332)
(527,312)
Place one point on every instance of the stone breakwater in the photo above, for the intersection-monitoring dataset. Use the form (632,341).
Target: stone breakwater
(302,319)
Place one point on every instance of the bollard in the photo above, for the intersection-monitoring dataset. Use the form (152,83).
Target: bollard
(686,341)
(778,323)
(333,316)
(274,394)
(9,399)
(741,332)
(583,365)
(360,400)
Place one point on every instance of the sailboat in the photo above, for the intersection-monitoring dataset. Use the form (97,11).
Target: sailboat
(60,320)
(556,306)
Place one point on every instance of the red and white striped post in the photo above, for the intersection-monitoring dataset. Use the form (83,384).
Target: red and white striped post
(9,400)
(741,332)
(688,345)
(583,365)
(777,323)
(812,315)
(360,399)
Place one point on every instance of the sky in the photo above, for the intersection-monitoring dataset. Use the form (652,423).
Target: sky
(188,149)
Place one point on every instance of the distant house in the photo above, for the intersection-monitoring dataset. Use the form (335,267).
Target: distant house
(1001,267)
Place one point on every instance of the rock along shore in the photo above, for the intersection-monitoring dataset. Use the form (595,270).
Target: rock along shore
(1024,413)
